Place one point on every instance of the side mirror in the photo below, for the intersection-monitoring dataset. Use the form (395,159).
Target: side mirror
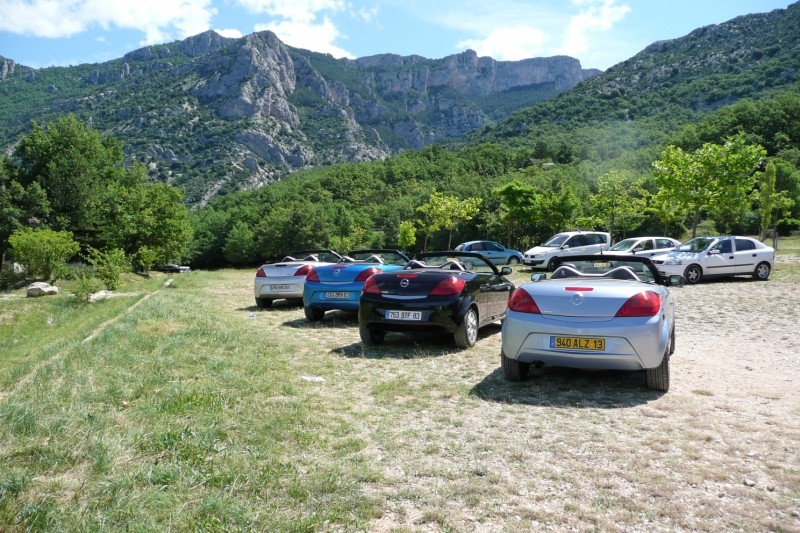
(538,276)
(713,252)
(676,280)
(506,271)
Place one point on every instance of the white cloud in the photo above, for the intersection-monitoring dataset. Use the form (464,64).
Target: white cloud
(301,23)
(159,20)
(318,37)
(293,10)
(508,44)
(594,16)
(230,32)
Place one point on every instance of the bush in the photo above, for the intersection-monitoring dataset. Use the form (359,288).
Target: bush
(109,266)
(43,252)
(10,280)
(85,286)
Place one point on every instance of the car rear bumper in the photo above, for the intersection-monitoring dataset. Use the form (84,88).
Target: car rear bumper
(630,344)
(278,288)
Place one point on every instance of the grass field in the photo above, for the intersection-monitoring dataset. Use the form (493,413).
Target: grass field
(182,407)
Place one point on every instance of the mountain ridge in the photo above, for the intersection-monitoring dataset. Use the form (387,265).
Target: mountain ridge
(214,114)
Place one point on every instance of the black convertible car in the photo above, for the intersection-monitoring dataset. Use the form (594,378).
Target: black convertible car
(455,291)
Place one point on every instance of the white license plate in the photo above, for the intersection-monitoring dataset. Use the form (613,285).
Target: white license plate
(403,315)
(280,287)
(337,295)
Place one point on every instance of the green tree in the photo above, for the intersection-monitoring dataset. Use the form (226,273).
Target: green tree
(518,202)
(72,163)
(239,246)
(43,252)
(20,206)
(621,202)
(407,235)
(108,266)
(448,212)
(774,206)
(715,178)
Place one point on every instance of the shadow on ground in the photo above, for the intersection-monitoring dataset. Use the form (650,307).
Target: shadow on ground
(568,387)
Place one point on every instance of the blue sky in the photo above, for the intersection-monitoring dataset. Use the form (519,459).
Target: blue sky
(600,33)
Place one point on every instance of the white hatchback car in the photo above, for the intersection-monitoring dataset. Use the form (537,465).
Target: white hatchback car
(708,257)
(563,245)
(646,246)
(287,279)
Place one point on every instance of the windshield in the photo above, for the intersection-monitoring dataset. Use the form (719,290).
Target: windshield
(606,268)
(556,240)
(623,246)
(696,245)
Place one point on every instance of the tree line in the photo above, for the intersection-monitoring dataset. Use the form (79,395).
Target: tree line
(733,172)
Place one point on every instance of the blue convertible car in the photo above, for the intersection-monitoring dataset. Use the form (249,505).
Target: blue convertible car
(338,286)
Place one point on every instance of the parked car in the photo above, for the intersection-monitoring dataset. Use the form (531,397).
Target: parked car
(172,268)
(458,292)
(338,286)
(647,246)
(562,245)
(720,256)
(601,312)
(285,280)
(494,252)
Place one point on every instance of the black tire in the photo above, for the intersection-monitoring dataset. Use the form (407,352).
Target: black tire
(553,263)
(371,337)
(693,274)
(467,334)
(762,271)
(513,260)
(314,314)
(513,369)
(658,377)
(264,303)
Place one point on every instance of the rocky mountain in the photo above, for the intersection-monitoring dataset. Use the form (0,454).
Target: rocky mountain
(666,85)
(212,114)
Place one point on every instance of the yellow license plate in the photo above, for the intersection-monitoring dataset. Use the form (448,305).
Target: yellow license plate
(593,344)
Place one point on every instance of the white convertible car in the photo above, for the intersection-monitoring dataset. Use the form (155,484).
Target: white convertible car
(287,279)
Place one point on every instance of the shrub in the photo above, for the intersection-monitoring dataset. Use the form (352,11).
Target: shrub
(108,266)
(84,287)
(43,252)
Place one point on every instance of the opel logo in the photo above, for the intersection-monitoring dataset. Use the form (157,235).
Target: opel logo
(404,283)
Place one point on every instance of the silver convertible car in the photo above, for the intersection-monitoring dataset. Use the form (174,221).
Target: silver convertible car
(600,312)
(286,279)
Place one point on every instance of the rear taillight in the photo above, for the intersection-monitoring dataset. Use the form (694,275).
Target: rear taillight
(449,286)
(364,274)
(261,273)
(303,270)
(312,275)
(371,286)
(646,303)
(522,302)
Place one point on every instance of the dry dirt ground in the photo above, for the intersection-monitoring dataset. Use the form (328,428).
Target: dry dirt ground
(460,449)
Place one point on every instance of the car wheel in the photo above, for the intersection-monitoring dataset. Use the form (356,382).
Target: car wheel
(762,271)
(513,369)
(658,377)
(371,337)
(553,264)
(314,314)
(467,334)
(693,274)
(264,303)
(513,260)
